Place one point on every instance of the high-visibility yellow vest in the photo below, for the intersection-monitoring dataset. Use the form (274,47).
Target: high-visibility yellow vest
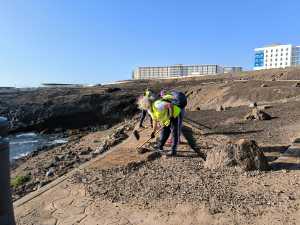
(168,97)
(161,114)
(147,93)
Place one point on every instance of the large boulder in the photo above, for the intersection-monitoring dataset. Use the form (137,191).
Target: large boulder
(253,105)
(243,154)
(296,85)
(257,114)
(220,108)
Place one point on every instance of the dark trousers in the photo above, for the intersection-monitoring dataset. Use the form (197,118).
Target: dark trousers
(143,116)
(166,131)
(181,116)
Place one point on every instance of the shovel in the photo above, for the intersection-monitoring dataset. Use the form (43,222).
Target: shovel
(140,146)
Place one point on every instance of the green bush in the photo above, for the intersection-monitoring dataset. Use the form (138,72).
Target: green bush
(19,180)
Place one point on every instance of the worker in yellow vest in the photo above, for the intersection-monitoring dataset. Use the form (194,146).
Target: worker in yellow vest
(167,115)
(149,94)
(177,98)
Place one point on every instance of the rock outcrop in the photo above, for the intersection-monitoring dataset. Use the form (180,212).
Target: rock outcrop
(253,105)
(66,109)
(220,108)
(243,154)
(257,114)
(296,85)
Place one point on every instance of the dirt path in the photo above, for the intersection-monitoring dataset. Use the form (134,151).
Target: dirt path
(68,203)
(126,188)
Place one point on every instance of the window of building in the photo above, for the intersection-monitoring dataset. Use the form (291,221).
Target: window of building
(271,55)
(282,49)
(271,50)
(271,64)
(280,64)
(265,64)
(275,64)
(286,63)
(258,60)
(276,50)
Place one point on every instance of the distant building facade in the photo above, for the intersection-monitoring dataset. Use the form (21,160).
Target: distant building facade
(7,89)
(276,56)
(232,69)
(176,71)
(58,85)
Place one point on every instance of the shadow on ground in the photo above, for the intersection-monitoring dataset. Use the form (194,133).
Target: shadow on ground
(280,159)
(233,132)
(188,134)
(273,152)
(285,166)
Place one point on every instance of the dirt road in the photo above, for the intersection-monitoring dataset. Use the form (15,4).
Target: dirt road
(150,190)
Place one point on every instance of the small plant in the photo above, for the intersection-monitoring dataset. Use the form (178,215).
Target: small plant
(19,180)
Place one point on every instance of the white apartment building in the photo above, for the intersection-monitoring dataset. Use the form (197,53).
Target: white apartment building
(276,56)
(175,71)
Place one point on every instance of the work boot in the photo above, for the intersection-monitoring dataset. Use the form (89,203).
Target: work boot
(172,154)
(157,148)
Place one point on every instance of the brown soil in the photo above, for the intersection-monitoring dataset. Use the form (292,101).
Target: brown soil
(176,186)
(181,190)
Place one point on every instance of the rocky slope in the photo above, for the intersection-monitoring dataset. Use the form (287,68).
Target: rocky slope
(50,109)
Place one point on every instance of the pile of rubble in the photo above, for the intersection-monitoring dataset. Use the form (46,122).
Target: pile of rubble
(243,154)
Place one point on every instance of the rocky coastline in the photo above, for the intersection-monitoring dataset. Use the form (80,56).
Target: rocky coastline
(42,166)
(92,120)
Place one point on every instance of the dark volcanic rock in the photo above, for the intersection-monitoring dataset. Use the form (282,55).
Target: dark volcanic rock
(257,114)
(111,90)
(296,84)
(47,109)
(220,108)
(243,154)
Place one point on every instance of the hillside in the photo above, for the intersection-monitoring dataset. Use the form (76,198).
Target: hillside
(232,167)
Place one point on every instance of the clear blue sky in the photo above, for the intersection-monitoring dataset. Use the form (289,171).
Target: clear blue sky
(92,41)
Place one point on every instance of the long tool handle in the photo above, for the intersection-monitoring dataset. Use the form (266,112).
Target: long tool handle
(149,139)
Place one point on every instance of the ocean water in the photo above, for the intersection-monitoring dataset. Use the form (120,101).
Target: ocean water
(25,143)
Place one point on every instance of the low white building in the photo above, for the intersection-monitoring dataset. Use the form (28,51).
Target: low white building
(276,56)
(179,70)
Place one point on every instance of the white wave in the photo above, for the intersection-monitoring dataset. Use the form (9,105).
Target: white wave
(23,142)
(59,141)
(21,155)
(26,135)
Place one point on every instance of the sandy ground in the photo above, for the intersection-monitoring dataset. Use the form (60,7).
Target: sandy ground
(127,188)
(141,189)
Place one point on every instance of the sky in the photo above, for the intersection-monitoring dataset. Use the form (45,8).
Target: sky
(96,41)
